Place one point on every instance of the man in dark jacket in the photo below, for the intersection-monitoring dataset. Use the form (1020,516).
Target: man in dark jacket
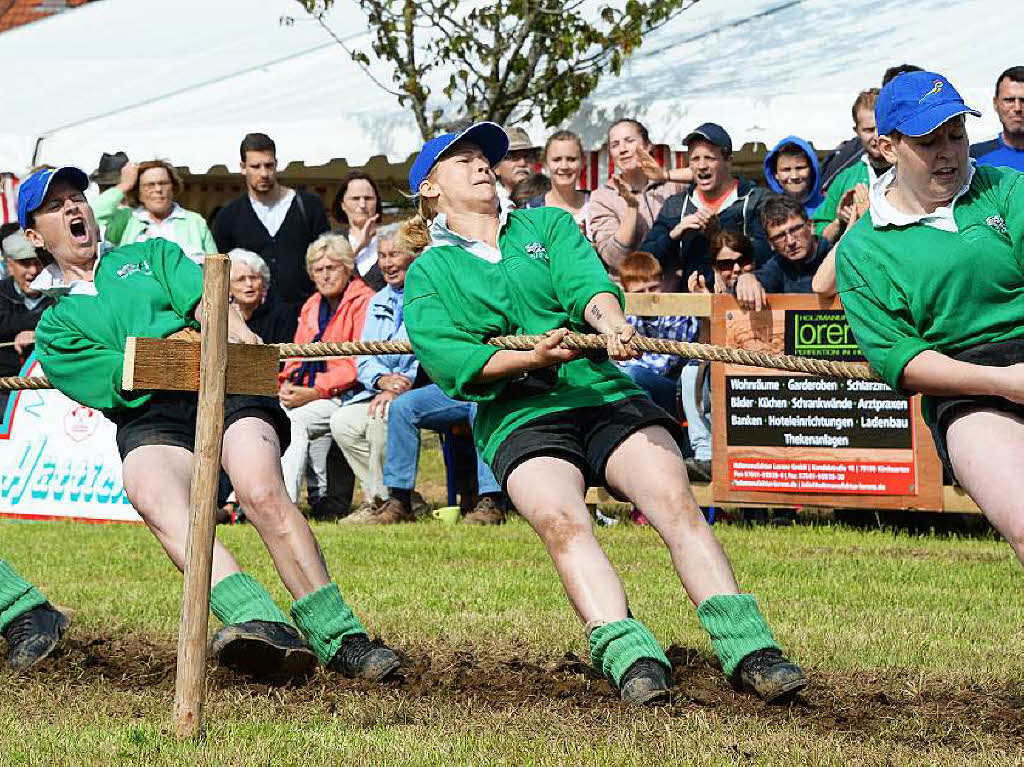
(273,221)
(678,237)
(20,306)
(796,254)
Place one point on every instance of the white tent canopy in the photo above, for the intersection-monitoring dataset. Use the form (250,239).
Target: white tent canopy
(187,81)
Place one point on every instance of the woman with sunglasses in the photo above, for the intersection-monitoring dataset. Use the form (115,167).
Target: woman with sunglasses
(550,421)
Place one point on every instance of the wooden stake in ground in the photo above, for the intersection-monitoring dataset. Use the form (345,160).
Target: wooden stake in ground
(189,687)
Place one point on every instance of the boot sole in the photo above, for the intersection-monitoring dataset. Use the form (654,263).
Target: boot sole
(650,698)
(255,657)
(787,692)
(63,624)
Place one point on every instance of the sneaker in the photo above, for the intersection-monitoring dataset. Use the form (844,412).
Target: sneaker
(698,470)
(391,512)
(33,635)
(263,650)
(486,512)
(645,683)
(362,514)
(359,658)
(770,676)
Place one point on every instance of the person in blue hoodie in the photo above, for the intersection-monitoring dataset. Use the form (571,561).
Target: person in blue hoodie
(791,168)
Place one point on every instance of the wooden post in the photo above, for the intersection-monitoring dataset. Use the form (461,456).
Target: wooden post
(195,601)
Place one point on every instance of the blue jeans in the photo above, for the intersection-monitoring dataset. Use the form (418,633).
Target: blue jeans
(659,388)
(698,419)
(425,408)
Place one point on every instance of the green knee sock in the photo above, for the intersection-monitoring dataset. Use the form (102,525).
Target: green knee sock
(17,596)
(240,598)
(325,619)
(616,646)
(736,626)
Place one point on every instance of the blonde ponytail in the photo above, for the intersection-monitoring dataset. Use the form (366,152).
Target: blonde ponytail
(413,235)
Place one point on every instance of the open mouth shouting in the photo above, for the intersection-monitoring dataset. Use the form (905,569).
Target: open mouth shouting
(79,230)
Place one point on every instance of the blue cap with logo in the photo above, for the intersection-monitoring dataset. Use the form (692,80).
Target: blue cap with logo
(916,103)
(32,191)
(490,137)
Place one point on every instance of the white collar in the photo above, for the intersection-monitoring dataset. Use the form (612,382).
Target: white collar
(176,212)
(440,234)
(286,197)
(50,281)
(884,213)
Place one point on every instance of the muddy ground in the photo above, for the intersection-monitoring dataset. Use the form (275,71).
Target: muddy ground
(907,707)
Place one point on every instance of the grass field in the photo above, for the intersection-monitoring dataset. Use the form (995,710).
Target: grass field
(915,644)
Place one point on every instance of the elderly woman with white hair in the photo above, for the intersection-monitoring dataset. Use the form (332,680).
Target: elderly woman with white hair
(250,281)
(312,391)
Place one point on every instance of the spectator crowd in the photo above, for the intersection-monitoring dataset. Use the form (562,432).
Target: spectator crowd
(303,272)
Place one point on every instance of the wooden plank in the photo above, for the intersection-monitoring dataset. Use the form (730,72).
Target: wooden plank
(170,364)
(702,492)
(669,304)
(190,680)
(954,499)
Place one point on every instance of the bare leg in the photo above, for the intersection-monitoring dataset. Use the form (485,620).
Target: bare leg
(998,490)
(252,459)
(549,493)
(157,480)
(648,469)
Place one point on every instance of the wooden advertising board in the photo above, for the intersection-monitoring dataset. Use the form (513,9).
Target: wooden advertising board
(792,439)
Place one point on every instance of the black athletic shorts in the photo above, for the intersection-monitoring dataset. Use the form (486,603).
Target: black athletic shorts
(946,409)
(586,436)
(169,418)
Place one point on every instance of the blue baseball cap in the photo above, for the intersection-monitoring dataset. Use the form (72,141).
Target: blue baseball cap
(490,137)
(916,103)
(713,133)
(32,191)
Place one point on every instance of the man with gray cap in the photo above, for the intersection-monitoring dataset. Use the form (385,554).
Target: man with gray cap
(678,238)
(20,305)
(518,163)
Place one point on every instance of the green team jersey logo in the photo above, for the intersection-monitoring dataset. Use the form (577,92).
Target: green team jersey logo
(997,223)
(128,270)
(536,250)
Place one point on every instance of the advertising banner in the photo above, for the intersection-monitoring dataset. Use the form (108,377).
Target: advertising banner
(58,459)
(843,443)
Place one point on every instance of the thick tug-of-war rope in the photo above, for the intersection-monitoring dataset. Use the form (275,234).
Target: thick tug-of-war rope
(584,342)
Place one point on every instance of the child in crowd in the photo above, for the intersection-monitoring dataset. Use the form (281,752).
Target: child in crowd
(656,374)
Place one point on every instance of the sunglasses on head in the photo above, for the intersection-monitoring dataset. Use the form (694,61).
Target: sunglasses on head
(728,264)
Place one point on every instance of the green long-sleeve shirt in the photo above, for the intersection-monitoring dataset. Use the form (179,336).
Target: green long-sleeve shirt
(908,288)
(459,294)
(844,181)
(190,230)
(145,289)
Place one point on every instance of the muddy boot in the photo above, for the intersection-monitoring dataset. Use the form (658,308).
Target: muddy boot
(418,504)
(486,512)
(33,635)
(391,512)
(362,514)
(645,683)
(264,651)
(770,676)
(359,658)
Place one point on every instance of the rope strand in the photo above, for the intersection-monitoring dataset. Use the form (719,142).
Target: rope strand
(583,342)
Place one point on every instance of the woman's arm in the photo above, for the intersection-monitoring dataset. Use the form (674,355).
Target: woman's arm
(824,281)
(508,363)
(604,314)
(931,372)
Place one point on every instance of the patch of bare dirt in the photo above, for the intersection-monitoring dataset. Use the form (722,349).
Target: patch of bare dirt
(901,706)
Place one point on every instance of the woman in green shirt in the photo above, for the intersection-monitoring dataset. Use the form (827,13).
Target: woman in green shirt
(550,421)
(932,280)
(152,289)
